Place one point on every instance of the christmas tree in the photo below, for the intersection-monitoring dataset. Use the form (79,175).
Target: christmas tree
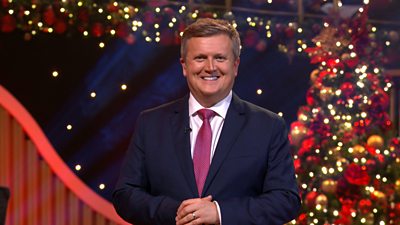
(346,158)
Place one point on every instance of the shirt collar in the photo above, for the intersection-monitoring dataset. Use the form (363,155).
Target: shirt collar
(221,108)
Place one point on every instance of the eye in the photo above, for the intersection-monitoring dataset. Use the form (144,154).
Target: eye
(199,58)
(220,58)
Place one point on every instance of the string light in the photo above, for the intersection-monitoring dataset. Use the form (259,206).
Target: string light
(55,73)
(78,167)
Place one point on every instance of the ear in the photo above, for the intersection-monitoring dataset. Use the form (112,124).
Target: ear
(182,60)
(236,65)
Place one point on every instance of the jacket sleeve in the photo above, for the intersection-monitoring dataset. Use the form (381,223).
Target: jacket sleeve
(279,202)
(131,198)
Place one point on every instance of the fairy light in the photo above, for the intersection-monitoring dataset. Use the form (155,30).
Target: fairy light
(280,114)
(80,4)
(112,32)
(124,87)
(78,167)
(102,186)
(93,94)
(55,73)
(299,30)
(69,127)
(85,33)
(102,45)
(259,91)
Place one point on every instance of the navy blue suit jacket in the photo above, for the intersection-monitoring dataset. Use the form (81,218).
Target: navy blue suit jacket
(251,175)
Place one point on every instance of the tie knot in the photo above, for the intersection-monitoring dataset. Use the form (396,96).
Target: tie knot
(205,114)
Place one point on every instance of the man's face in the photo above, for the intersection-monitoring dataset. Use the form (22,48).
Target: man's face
(210,68)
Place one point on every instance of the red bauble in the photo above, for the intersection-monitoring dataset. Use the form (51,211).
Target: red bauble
(347,89)
(60,27)
(97,30)
(356,175)
(289,31)
(310,97)
(310,199)
(167,37)
(49,17)
(365,206)
(396,210)
(83,15)
(4,3)
(122,30)
(112,8)
(8,24)
(251,38)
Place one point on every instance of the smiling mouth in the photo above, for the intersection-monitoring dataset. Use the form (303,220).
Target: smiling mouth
(210,78)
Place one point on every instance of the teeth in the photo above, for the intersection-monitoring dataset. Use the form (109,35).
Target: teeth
(210,78)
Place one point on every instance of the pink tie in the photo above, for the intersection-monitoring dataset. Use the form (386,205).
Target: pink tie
(202,149)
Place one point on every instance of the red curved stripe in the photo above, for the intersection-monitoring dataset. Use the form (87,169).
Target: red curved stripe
(46,150)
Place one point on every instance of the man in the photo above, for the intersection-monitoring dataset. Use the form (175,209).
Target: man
(209,158)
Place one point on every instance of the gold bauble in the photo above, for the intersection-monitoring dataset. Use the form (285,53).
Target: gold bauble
(314,75)
(380,198)
(375,141)
(397,186)
(329,186)
(321,200)
(358,151)
(369,219)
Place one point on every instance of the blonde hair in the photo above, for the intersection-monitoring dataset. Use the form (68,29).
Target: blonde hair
(206,27)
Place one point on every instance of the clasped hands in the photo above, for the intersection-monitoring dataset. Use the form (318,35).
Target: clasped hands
(197,211)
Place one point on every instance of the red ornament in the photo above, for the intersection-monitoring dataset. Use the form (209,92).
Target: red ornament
(356,175)
(310,97)
(122,30)
(112,8)
(396,209)
(60,27)
(83,15)
(49,17)
(347,89)
(310,199)
(4,3)
(97,29)
(251,38)
(8,24)
(289,31)
(365,206)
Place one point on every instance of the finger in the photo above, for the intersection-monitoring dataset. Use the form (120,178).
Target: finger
(187,219)
(208,198)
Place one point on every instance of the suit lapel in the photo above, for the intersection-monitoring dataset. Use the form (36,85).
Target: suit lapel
(233,124)
(180,133)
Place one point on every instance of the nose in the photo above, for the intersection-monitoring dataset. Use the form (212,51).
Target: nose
(210,65)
